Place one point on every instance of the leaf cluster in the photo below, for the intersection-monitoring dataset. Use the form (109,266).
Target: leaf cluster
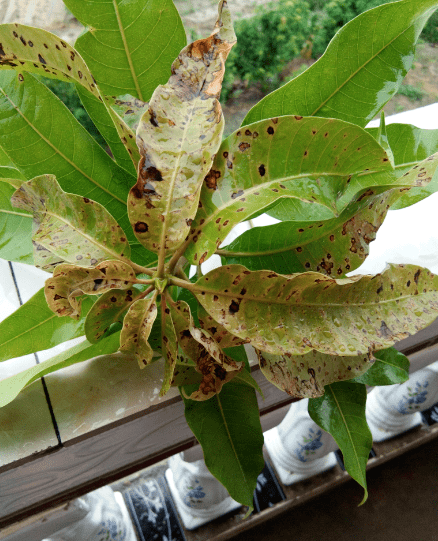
(121,235)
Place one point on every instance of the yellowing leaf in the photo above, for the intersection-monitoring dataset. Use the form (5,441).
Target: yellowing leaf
(169,344)
(68,228)
(215,367)
(304,376)
(220,334)
(137,326)
(70,282)
(296,313)
(178,137)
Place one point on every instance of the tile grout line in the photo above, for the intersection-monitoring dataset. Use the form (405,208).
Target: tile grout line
(46,391)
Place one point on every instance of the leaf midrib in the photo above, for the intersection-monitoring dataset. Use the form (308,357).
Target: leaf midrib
(57,151)
(17,336)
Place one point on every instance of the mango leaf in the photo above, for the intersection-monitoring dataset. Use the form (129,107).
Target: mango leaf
(411,145)
(289,157)
(217,331)
(5,161)
(333,247)
(15,229)
(382,138)
(169,343)
(390,367)
(112,129)
(369,75)
(10,387)
(29,49)
(341,413)
(110,308)
(297,313)
(70,282)
(34,327)
(130,109)
(11,173)
(210,361)
(67,227)
(304,376)
(178,137)
(228,428)
(129,46)
(37,143)
(137,326)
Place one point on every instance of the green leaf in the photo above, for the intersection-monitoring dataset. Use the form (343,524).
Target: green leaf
(341,413)
(305,376)
(69,228)
(290,157)
(382,138)
(10,387)
(69,282)
(28,49)
(228,428)
(294,314)
(411,145)
(34,327)
(110,308)
(48,138)
(129,46)
(178,137)
(333,247)
(360,71)
(15,229)
(5,161)
(390,367)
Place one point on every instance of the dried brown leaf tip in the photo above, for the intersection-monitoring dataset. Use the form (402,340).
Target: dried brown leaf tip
(70,282)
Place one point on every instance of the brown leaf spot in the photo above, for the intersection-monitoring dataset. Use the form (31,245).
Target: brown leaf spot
(211,179)
(141,227)
(299,249)
(41,59)
(332,238)
(57,297)
(298,117)
(234,195)
(215,298)
(417,276)
(270,130)
(234,307)
(23,41)
(244,146)
(225,154)
(240,210)
(80,74)
(78,257)
(85,200)
(248,133)
(255,135)
(113,299)
(20,77)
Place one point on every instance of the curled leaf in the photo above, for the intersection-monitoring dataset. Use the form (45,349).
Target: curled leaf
(211,362)
(178,137)
(297,313)
(108,309)
(169,343)
(68,228)
(137,326)
(304,376)
(70,282)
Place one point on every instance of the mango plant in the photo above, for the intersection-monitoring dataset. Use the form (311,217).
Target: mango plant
(119,234)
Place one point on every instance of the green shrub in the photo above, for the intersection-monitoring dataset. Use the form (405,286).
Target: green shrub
(430,32)
(266,42)
(411,92)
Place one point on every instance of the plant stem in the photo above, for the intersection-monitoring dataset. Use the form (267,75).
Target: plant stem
(146,293)
(174,281)
(141,270)
(145,282)
(177,255)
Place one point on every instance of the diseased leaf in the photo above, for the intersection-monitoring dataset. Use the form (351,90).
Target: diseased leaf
(137,326)
(210,361)
(304,376)
(297,313)
(33,50)
(70,282)
(67,227)
(228,428)
(411,145)
(332,247)
(46,137)
(178,137)
(10,387)
(341,413)
(110,308)
(382,138)
(130,109)
(34,327)
(217,331)
(169,343)
(390,367)
(129,46)
(360,71)
(304,159)
(15,229)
